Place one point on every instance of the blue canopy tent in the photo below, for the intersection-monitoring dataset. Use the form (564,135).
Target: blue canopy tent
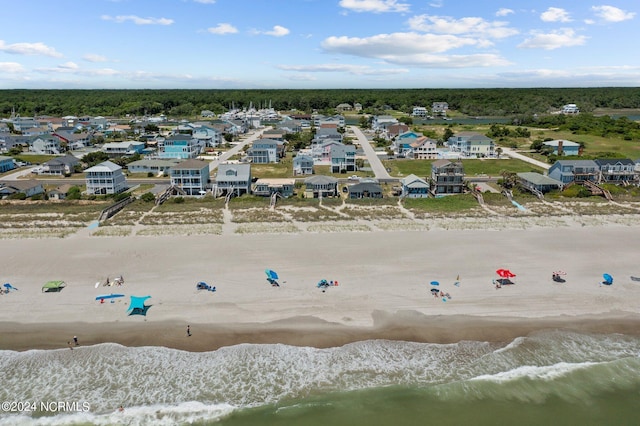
(9,287)
(204,286)
(137,306)
(608,279)
(272,277)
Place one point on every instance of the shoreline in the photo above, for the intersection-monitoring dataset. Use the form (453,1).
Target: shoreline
(308,331)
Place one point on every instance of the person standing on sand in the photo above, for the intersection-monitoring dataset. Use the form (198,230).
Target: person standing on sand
(75,340)
(69,344)
(188,330)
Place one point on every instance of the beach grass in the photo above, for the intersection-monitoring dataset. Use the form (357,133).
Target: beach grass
(266,228)
(460,204)
(256,215)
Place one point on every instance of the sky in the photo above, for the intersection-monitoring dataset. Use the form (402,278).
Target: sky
(318,44)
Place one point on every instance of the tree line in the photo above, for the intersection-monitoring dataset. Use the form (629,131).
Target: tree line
(188,103)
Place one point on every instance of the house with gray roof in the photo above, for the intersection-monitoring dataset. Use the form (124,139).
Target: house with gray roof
(320,186)
(63,165)
(567,171)
(563,147)
(414,187)
(343,158)
(472,144)
(620,170)
(28,187)
(105,178)
(263,151)
(192,176)
(302,165)
(365,190)
(60,192)
(118,149)
(233,178)
(538,183)
(447,177)
(45,144)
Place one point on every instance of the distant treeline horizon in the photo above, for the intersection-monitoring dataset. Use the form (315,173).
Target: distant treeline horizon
(189,102)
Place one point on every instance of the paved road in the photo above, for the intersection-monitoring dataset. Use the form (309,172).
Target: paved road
(215,161)
(511,153)
(376,165)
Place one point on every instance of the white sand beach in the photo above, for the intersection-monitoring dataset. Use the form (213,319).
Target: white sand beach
(383,280)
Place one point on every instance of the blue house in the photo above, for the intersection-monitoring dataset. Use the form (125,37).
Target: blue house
(567,171)
(563,147)
(414,187)
(6,164)
(180,146)
(617,170)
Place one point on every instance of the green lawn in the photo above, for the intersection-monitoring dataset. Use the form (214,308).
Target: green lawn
(492,167)
(453,203)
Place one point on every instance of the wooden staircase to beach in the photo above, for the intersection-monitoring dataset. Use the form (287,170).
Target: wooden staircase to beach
(597,189)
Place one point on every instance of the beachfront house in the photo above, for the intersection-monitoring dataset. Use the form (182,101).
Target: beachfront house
(192,176)
(302,165)
(567,171)
(538,183)
(59,193)
(267,187)
(27,187)
(233,178)
(620,170)
(60,166)
(105,178)
(414,187)
(365,189)
(343,159)
(6,164)
(563,147)
(320,186)
(447,177)
(472,144)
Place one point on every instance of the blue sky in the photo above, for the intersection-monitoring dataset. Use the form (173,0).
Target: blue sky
(272,44)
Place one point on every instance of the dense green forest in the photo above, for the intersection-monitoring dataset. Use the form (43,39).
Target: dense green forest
(472,102)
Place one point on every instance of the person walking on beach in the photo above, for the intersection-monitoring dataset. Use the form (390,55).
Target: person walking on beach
(189,331)
(75,340)
(69,344)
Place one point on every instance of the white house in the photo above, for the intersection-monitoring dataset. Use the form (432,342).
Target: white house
(105,178)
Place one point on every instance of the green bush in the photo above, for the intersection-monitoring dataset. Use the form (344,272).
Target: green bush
(148,197)
(178,200)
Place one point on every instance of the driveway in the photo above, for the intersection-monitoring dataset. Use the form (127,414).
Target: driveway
(374,161)
(511,153)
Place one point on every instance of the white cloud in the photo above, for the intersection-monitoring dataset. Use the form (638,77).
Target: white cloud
(11,67)
(301,77)
(397,44)
(205,1)
(223,28)
(351,69)
(612,14)
(92,57)
(277,31)
(137,20)
(29,49)
(412,49)
(565,37)
(375,6)
(555,14)
(69,66)
(504,12)
(477,27)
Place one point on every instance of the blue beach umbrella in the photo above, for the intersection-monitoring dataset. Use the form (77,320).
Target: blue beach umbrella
(608,279)
(435,283)
(271,274)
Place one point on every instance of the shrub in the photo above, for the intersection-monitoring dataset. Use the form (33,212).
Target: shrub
(148,197)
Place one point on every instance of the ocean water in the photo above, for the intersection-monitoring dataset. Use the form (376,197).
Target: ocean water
(552,377)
